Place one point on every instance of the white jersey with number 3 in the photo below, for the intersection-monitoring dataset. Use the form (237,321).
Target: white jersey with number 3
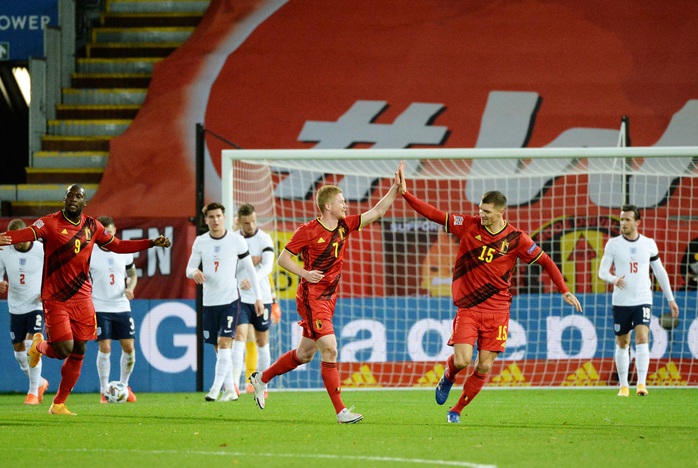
(630,259)
(24,271)
(108,275)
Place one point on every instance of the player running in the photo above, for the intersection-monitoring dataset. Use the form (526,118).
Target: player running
(69,237)
(488,252)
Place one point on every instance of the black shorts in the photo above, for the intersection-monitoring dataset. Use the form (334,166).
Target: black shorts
(626,318)
(248,315)
(115,326)
(22,325)
(220,321)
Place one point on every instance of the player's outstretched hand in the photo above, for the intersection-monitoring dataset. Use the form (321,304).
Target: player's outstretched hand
(161,241)
(400,178)
(572,300)
(5,239)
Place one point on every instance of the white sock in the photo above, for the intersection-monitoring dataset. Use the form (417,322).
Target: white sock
(238,357)
(23,361)
(103,370)
(222,369)
(263,357)
(642,362)
(622,364)
(35,379)
(127,363)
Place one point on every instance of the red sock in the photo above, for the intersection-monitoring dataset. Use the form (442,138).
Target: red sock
(285,363)
(70,372)
(330,377)
(47,350)
(472,387)
(451,369)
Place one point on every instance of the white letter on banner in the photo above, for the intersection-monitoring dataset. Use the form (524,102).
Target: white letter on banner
(376,342)
(557,325)
(660,339)
(149,332)
(158,257)
(692,338)
(415,337)
(516,342)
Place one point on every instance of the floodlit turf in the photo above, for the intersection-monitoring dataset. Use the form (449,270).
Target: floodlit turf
(504,428)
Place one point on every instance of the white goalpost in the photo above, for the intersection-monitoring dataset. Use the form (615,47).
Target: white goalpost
(394,312)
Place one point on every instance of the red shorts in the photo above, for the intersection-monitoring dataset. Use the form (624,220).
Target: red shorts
(73,320)
(488,328)
(316,318)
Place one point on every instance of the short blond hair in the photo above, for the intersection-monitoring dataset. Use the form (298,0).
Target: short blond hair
(325,195)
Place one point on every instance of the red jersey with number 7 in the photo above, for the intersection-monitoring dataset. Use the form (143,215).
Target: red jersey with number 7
(322,249)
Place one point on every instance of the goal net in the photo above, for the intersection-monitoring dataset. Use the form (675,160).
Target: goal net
(394,313)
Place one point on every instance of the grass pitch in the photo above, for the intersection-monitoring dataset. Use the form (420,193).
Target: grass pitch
(503,428)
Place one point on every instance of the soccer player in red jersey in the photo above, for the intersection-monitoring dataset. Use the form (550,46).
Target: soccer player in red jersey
(488,252)
(69,237)
(322,243)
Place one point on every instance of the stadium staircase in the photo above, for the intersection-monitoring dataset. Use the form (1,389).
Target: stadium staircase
(107,89)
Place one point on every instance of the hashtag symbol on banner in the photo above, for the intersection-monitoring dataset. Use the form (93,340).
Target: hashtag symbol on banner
(357,125)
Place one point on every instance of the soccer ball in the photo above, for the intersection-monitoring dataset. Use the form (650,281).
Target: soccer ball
(116,392)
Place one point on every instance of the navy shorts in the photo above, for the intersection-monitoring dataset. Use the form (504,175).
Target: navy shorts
(626,318)
(220,321)
(22,325)
(115,326)
(248,315)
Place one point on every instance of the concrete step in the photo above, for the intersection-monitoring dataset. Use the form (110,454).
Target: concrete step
(51,193)
(70,159)
(122,65)
(114,97)
(135,50)
(55,175)
(141,35)
(139,20)
(75,143)
(87,112)
(151,6)
(87,127)
(15,209)
(110,80)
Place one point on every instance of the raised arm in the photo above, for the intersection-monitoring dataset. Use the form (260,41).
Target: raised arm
(382,206)
(423,208)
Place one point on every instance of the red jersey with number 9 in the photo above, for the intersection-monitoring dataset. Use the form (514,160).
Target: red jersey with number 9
(67,250)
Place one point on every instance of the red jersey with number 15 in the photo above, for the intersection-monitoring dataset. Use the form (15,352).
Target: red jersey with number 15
(322,249)
(486,261)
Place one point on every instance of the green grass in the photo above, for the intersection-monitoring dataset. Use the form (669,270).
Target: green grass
(508,428)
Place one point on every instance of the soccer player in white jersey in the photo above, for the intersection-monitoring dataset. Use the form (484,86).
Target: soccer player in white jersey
(262,251)
(114,281)
(632,254)
(218,252)
(24,264)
